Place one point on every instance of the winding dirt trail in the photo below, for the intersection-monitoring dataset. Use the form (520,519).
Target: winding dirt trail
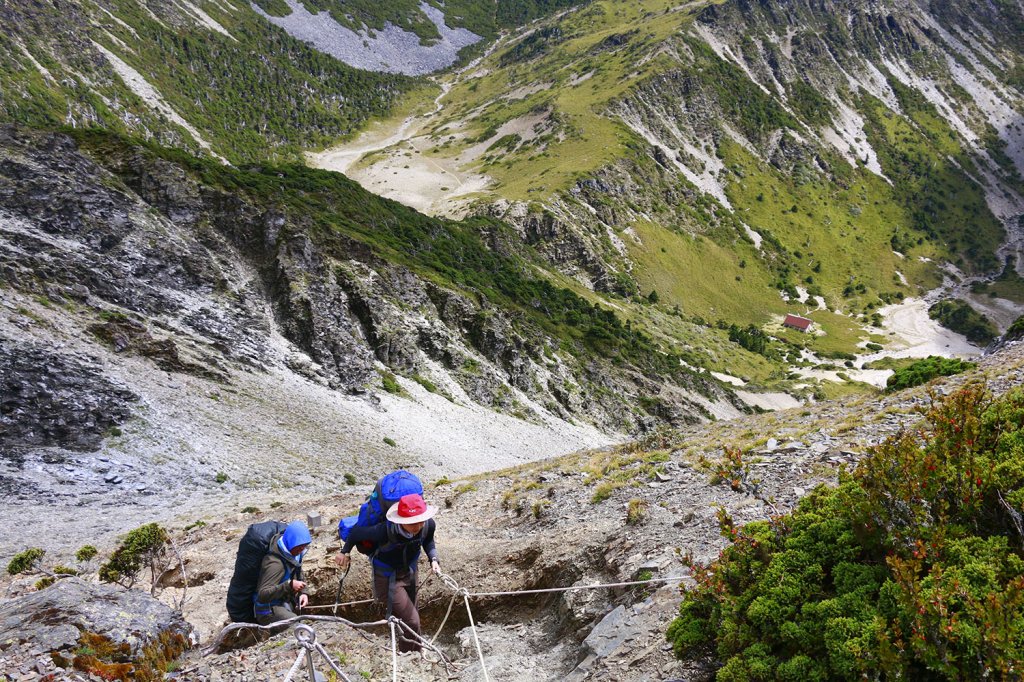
(406,172)
(379,137)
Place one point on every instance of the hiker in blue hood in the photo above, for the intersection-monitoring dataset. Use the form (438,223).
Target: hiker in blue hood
(281,587)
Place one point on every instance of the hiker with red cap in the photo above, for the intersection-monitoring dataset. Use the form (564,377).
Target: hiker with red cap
(408,528)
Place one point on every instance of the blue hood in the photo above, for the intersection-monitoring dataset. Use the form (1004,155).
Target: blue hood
(294,535)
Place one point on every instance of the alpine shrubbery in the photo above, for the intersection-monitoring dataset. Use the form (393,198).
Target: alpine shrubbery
(959,316)
(141,548)
(924,370)
(910,569)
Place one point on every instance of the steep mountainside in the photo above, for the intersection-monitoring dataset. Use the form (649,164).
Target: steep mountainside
(624,201)
(129,273)
(213,79)
(740,157)
(218,76)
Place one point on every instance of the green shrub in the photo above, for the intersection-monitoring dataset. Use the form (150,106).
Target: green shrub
(390,441)
(1016,330)
(603,491)
(425,383)
(751,338)
(962,318)
(65,570)
(85,553)
(23,562)
(141,547)
(910,569)
(221,477)
(923,371)
(389,383)
(636,512)
(44,582)
(350,479)
(250,510)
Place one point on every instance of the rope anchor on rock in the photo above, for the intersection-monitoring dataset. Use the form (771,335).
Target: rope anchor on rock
(306,638)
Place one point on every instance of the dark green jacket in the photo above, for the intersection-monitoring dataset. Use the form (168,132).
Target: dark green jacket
(272,587)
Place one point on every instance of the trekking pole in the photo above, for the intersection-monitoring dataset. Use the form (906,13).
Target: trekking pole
(341,584)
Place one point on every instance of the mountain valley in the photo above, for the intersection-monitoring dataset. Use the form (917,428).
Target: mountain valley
(570,262)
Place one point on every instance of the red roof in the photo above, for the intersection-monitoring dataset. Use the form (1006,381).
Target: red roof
(797,322)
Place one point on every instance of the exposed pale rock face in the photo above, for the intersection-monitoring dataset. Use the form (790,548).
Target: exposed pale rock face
(391,50)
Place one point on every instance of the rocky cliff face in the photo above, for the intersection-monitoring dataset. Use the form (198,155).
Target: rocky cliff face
(125,274)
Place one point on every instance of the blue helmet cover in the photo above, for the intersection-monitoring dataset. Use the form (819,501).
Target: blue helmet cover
(295,534)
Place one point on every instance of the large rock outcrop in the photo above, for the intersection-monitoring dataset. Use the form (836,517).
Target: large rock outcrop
(54,619)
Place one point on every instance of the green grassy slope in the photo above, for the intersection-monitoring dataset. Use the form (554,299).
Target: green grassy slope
(856,238)
(254,94)
(583,61)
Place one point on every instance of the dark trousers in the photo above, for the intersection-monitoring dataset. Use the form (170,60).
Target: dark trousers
(281,612)
(401,594)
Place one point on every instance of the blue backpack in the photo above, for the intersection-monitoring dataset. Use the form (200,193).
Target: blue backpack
(387,492)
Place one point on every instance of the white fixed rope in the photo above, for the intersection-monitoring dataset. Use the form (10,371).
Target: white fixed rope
(393,622)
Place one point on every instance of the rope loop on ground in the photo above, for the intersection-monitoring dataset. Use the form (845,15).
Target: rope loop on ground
(281,624)
(464,593)
(476,639)
(451,603)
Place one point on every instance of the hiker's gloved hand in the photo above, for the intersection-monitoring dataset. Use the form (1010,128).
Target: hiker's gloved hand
(343,560)
(303,600)
(298,586)
(435,566)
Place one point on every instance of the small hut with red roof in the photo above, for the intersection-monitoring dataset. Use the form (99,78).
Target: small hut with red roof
(796,322)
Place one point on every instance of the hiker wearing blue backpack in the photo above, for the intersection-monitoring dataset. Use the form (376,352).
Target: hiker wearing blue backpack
(281,587)
(394,545)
